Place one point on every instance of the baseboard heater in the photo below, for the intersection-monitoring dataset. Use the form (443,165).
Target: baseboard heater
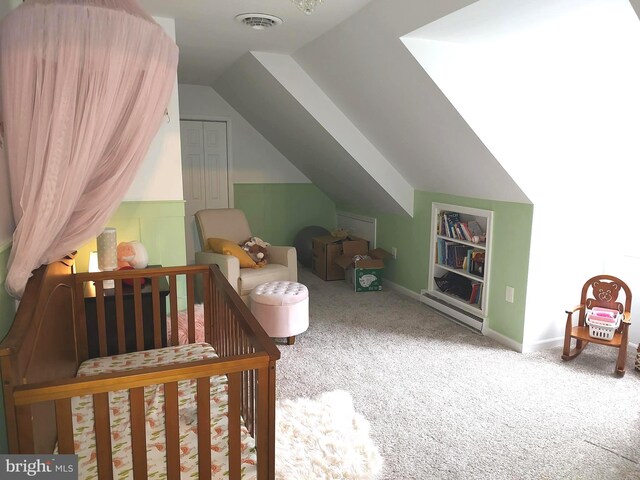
(454,313)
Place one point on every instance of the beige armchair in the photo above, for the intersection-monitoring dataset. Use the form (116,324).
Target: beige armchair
(231,224)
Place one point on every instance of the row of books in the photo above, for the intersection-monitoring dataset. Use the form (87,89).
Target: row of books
(449,225)
(454,255)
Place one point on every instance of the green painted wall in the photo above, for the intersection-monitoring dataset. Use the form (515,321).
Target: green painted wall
(510,252)
(159,225)
(277,211)
(7,312)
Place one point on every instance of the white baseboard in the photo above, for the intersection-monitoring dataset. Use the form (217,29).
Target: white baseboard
(502,339)
(400,289)
(498,337)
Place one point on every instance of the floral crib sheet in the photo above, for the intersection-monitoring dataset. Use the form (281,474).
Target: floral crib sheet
(84,435)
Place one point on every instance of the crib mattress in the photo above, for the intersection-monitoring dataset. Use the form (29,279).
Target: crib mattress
(84,436)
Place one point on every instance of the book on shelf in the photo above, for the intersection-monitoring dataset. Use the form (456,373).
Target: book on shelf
(449,225)
(465,232)
(452,219)
(476,293)
(460,255)
(475,263)
(475,229)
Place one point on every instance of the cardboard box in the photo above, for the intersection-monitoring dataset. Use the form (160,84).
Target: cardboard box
(364,274)
(324,251)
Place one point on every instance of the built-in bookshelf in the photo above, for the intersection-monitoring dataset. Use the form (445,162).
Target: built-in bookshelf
(459,262)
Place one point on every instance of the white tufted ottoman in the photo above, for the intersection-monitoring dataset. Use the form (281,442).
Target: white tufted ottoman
(282,308)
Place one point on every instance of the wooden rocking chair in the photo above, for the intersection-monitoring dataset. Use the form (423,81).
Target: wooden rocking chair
(600,291)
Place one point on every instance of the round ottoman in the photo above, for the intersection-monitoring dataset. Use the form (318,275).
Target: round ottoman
(282,308)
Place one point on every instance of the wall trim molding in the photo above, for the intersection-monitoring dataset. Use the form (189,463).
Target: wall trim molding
(543,344)
(401,290)
(502,339)
(532,347)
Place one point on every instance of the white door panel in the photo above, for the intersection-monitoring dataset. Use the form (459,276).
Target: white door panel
(204,173)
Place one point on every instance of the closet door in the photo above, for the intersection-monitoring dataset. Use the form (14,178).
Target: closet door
(215,173)
(204,174)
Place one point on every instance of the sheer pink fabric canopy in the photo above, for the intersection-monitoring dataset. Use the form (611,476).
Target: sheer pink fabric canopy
(84,85)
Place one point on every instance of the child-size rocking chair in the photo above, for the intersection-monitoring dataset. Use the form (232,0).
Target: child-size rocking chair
(600,292)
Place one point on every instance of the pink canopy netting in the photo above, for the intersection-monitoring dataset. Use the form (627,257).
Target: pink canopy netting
(84,85)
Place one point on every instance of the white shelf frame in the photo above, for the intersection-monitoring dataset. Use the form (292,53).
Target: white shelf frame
(476,311)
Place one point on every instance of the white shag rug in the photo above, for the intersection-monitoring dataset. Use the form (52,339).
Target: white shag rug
(324,438)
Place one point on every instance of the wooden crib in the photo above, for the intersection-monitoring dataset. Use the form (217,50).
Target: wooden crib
(49,340)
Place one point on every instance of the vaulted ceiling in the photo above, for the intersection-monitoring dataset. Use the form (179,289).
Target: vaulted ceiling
(352,52)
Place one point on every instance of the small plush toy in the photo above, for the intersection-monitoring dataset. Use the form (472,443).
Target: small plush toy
(259,241)
(257,250)
(132,254)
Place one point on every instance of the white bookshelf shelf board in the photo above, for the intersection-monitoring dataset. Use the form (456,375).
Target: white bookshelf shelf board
(471,314)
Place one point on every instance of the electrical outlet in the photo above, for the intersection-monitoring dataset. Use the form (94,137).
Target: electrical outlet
(394,253)
(509,294)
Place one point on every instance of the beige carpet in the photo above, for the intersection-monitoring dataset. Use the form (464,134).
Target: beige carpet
(446,403)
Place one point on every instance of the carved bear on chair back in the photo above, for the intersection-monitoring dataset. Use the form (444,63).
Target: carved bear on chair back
(605,295)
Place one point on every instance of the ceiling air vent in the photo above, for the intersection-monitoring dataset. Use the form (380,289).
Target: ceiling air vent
(258,21)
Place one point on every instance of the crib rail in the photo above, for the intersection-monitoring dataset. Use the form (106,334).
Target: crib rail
(134,381)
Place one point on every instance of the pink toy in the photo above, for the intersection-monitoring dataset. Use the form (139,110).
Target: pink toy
(132,254)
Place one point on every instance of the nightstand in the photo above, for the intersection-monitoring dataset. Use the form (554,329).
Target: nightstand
(129,316)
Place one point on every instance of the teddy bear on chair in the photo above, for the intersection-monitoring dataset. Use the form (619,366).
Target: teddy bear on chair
(257,250)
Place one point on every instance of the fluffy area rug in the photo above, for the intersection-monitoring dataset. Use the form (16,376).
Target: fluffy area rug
(324,438)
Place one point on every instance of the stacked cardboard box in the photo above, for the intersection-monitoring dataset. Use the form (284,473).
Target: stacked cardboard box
(365,274)
(325,250)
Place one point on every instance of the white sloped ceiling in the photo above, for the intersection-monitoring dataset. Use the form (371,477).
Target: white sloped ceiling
(369,75)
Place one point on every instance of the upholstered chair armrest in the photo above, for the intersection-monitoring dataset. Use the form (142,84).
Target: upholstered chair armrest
(228,264)
(285,256)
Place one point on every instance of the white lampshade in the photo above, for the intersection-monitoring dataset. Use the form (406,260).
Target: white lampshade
(107,252)
(93,262)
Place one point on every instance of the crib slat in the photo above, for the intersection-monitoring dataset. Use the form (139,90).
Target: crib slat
(270,410)
(173,305)
(206,285)
(155,295)
(252,402)
(262,415)
(122,348)
(204,428)
(190,309)
(81,323)
(138,432)
(137,301)
(217,322)
(172,434)
(102,325)
(103,434)
(24,420)
(234,425)
(64,424)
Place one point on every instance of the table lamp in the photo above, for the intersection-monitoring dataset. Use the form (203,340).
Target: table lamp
(107,253)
